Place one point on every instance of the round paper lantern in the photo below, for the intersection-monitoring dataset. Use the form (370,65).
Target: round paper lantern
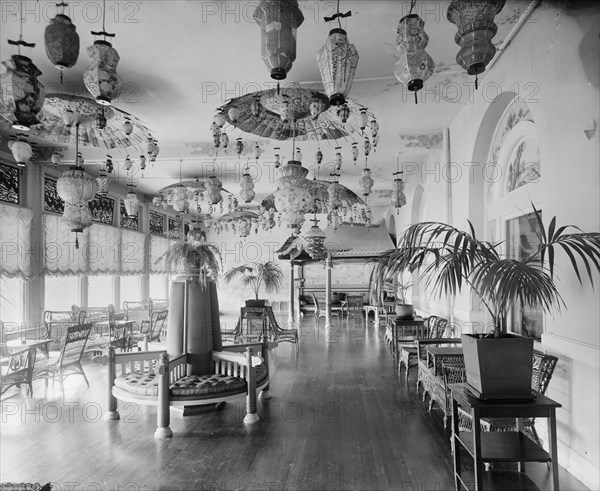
(220,119)
(127,127)
(247,188)
(21,91)
(62,42)
(101,78)
(343,113)
(337,61)
(239,146)
(21,151)
(214,186)
(77,217)
(278,21)
(234,114)
(292,197)
(314,239)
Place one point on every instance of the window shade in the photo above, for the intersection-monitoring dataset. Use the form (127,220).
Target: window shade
(104,250)
(133,252)
(15,241)
(61,257)
(158,246)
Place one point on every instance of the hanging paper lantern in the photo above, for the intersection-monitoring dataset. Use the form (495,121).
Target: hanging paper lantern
(244,227)
(316,108)
(338,159)
(77,217)
(398,199)
(153,150)
(298,155)
(278,21)
(142,162)
(69,118)
(319,157)
(224,140)
(127,127)
(476,28)
(354,152)
(366,182)
(364,118)
(292,197)
(337,61)
(101,119)
(157,200)
(367,147)
(102,181)
(375,142)
(101,78)
(219,119)
(256,107)
(56,158)
(234,114)
(131,204)
(343,112)
(109,164)
(77,188)
(179,198)
(128,163)
(334,190)
(62,42)
(21,91)
(247,188)
(257,151)
(277,158)
(21,151)
(414,65)
(214,187)
(314,239)
(285,110)
(239,146)
(374,128)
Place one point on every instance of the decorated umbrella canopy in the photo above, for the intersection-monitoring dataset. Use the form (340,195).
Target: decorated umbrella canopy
(54,128)
(319,190)
(274,117)
(241,220)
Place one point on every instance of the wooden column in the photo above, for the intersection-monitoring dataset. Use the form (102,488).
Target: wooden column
(328,268)
(292,303)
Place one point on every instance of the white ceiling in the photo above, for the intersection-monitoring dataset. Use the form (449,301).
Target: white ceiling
(180,60)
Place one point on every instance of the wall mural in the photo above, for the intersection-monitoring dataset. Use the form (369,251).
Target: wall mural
(157,223)
(102,209)
(52,201)
(127,222)
(9,184)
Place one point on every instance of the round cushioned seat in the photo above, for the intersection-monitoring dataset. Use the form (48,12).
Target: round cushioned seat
(139,383)
(207,384)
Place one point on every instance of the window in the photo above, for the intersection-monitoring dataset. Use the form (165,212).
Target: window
(158,286)
(11,300)
(523,241)
(61,292)
(131,290)
(100,291)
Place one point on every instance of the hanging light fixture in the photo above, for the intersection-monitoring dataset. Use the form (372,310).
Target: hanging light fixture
(102,181)
(298,155)
(414,65)
(239,147)
(316,108)
(20,89)
(334,192)
(77,188)
(220,119)
(338,159)
(101,119)
(109,164)
(214,186)
(62,41)
(278,21)
(343,113)
(128,163)
(319,157)
(368,147)
(257,151)
(179,199)
(56,158)
(398,199)
(476,28)
(101,78)
(355,152)
(366,182)
(131,202)
(127,127)
(21,151)
(337,61)
(247,186)
(314,240)
(234,114)
(364,118)
(142,162)
(69,117)
(152,148)
(277,158)
(224,139)
(256,107)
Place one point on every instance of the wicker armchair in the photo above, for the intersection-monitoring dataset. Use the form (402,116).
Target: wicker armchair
(276,334)
(543,368)
(69,360)
(16,368)
(149,330)
(336,310)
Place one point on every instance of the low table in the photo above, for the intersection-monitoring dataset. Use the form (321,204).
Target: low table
(17,344)
(372,308)
(416,326)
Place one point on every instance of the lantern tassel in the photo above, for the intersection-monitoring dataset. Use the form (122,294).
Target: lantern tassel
(76,241)
(416,101)
(277,87)
(476,83)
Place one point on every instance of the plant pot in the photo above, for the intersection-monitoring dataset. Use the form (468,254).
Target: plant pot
(405,311)
(256,303)
(498,368)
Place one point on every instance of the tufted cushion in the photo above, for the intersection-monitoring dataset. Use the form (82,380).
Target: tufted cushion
(139,383)
(207,384)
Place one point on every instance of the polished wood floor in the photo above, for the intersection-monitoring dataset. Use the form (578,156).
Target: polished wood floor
(340,418)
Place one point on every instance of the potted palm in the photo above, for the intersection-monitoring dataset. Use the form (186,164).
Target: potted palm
(267,274)
(498,364)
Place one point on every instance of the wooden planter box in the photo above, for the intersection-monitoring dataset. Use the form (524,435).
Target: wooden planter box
(498,368)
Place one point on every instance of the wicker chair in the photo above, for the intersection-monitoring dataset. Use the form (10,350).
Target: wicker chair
(435,327)
(277,334)
(543,368)
(69,360)
(335,311)
(16,369)
(149,330)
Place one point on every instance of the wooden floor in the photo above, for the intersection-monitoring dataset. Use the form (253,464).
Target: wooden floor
(340,418)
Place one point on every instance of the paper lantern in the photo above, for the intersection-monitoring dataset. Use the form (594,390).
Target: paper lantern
(398,199)
(292,197)
(367,148)
(343,113)
(277,158)
(364,118)
(256,107)
(298,155)
(239,146)
(128,163)
(214,186)
(131,204)
(101,78)
(127,127)
(257,151)
(316,108)
(476,28)
(220,119)
(56,158)
(152,149)
(69,118)
(247,188)
(314,239)
(77,188)
(319,157)
(366,182)
(337,61)
(278,21)
(77,217)
(334,191)
(21,91)
(179,198)
(21,151)
(224,139)
(102,181)
(62,42)
(234,114)
(142,162)
(414,65)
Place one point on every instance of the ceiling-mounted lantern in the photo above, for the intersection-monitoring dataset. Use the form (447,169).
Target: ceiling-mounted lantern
(239,146)
(316,108)
(256,107)
(337,61)
(128,163)
(142,162)
(224,139)
(214,186)
(319,157)
(355,152)
(366,182)
(315,241)
(398,199)
(338,159)
(101,78)
(234,114)
(257,151)
(56,158)
(21,91)
(127,127)
(220,119)
(152,148)
(414,65)
(247,187)
(21,151)
(476,28)
(343,113)
(131,202)
(102,180)
(278,21)
(77,188)
(62,41)
(364,118)
(292,197)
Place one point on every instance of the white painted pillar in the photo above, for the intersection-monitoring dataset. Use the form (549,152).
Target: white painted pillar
(328,267)
(291,307)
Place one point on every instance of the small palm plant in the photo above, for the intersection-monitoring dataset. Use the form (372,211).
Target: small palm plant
(256,275)
(448,258)
(198,259)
